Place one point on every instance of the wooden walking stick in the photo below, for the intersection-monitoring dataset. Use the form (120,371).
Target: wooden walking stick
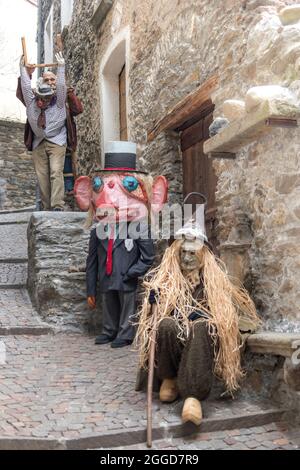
(151,369)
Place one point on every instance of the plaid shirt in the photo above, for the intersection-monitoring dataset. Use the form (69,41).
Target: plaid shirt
(55,130)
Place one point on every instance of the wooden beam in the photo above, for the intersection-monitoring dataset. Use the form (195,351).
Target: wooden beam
(39,66)
(206,108)
(185,109)
(24,49)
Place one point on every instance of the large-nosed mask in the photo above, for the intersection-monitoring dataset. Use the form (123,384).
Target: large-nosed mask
(121,196)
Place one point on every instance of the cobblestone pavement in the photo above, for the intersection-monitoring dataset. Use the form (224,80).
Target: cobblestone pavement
(66,386)
(13,241)
(273,436)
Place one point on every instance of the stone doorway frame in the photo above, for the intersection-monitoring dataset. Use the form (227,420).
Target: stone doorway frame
(116,56)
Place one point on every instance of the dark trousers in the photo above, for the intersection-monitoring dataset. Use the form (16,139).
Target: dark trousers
(191,362)
(118,313)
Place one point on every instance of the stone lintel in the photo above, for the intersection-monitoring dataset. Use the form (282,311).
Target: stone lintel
(279,344)
(100,13)
(248,129)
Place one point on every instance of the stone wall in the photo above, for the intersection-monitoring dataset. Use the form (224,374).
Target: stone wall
(174,47)
(17,176)
(56,243)
(266,377)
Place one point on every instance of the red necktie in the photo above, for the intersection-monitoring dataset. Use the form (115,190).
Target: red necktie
(109,252)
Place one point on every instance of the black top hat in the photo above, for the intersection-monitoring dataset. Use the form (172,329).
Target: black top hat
(120,156)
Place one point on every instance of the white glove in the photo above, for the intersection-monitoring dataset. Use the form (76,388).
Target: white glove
(22,62)
(59,58)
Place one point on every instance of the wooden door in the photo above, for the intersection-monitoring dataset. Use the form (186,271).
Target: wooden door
(198,172)
(122,101)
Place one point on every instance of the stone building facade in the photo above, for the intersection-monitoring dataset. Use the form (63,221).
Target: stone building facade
(169,48)
(17,176)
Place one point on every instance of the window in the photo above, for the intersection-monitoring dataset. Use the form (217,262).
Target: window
(48,38)
(114,85)
(66,10)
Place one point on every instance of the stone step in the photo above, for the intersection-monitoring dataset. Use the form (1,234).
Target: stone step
(14,218)
(12,286)
(130,437)
(17,211)
(13,260)
(272,436)
(17,315)
(12,274)
(176,430)
(13,241)
(25,330)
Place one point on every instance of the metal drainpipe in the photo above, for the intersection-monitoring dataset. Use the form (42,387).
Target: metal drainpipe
(39,36)
(38,202)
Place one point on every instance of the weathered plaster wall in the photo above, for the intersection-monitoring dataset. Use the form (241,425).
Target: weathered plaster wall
(174,47)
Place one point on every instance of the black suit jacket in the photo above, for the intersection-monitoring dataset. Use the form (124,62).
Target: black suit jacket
(127,265)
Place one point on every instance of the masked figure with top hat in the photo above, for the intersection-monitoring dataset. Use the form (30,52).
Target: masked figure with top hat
(120,199)
(199,316)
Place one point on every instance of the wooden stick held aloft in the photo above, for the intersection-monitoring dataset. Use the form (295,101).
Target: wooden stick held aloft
(24,51)
(42,65)
(26,57)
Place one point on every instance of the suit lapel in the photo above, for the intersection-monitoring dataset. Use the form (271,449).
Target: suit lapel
(121,235)
(104,243)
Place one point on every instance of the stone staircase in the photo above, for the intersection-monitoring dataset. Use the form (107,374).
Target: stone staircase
(17,315)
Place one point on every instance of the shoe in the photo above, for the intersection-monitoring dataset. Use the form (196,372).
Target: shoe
(168,390)
(57,209)
(120,343)
(192,411)
(103,339)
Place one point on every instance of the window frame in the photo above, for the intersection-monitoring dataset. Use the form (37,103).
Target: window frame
(66,12)
(48,39)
